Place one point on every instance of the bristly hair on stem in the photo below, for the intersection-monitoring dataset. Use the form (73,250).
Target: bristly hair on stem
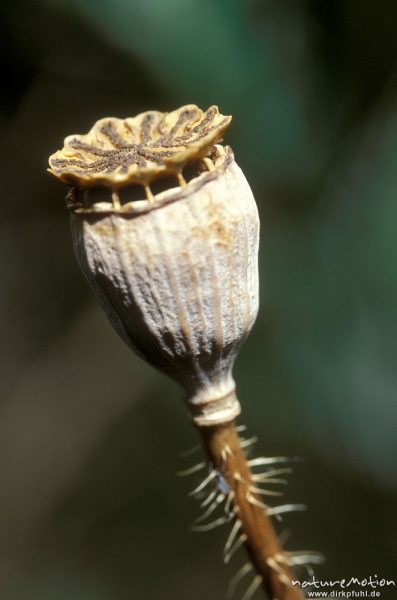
(230,482)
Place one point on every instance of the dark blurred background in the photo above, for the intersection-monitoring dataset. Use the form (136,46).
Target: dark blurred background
(90,507)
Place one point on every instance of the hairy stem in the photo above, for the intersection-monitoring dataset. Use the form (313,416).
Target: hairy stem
(224,451)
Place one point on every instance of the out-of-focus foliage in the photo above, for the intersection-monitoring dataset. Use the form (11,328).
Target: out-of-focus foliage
(89,505)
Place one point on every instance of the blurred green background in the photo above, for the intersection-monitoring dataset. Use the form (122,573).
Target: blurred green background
(90,508)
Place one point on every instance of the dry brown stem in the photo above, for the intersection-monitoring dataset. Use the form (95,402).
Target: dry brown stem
(224,451)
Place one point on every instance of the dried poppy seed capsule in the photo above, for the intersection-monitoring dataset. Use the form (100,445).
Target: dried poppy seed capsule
(176,272)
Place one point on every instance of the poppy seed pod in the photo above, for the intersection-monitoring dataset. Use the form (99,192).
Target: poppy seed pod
(175,270)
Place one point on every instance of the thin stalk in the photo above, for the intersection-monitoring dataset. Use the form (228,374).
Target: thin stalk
(224,451)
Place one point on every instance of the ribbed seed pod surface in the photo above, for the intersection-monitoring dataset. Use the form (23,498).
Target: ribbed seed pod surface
(176,272)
